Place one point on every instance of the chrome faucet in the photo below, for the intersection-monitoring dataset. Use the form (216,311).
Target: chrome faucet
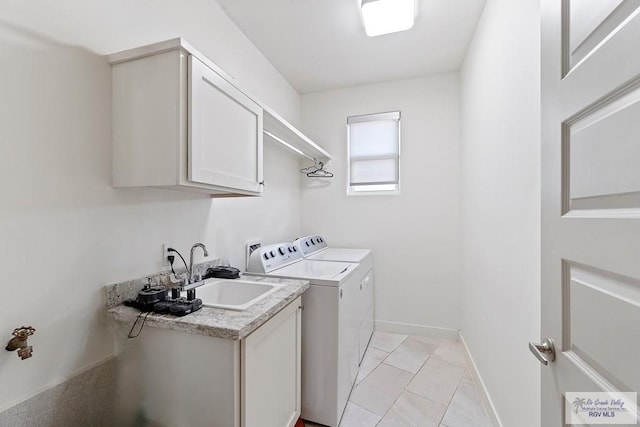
(193,248)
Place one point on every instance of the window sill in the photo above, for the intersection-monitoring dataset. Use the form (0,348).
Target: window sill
(373,193)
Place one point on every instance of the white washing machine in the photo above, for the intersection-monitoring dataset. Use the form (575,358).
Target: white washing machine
(316,248)
(330,328)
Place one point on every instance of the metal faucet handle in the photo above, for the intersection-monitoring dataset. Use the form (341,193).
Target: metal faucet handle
(180,279)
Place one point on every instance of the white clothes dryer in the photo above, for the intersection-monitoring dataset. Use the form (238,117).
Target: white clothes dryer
(316,248)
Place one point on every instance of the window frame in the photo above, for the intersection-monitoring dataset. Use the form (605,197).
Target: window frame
(373,117)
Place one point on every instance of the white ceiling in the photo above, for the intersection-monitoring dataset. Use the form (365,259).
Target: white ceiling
(321,44)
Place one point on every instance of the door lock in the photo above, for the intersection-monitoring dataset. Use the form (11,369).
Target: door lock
(545,351)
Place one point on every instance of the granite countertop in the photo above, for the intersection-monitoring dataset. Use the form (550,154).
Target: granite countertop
(213,322)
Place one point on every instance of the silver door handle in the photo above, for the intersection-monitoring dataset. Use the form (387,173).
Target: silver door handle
(545,351)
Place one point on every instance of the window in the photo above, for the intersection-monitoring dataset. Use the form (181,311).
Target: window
(374,153)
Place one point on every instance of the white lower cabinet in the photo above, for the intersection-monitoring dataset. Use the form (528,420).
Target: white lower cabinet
(271,371)
(179,379)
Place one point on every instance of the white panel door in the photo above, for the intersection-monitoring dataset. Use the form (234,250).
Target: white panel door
(590,199)
(225,132)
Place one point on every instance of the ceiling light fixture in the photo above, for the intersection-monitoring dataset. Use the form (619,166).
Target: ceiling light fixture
(387,16)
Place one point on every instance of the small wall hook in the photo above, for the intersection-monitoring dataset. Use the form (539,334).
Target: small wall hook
(19,341)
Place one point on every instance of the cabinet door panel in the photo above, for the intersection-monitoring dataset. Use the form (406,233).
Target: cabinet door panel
(271,370)
(225,132)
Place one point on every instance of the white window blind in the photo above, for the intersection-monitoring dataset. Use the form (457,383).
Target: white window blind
(374,152)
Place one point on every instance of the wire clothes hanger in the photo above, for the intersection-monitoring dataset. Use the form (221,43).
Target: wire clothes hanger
(317,170)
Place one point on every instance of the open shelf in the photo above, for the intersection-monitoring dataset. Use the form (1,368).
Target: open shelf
(289,136)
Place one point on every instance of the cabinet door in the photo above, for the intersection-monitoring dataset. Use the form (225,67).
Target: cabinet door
(225,132)
(270,371)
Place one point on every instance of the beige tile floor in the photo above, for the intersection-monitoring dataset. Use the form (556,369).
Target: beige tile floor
(407,380)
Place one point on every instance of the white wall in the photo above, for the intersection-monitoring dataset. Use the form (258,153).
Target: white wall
(501,206)
(112,26)
(415,236)
(65,231)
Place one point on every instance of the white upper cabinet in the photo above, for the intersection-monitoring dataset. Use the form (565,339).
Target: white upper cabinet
(179,123)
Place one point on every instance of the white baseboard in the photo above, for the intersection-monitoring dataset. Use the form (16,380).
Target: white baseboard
(484,393)
(411,329)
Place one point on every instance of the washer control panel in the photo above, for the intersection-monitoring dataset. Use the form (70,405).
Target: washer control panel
(268,258)
(310,244)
